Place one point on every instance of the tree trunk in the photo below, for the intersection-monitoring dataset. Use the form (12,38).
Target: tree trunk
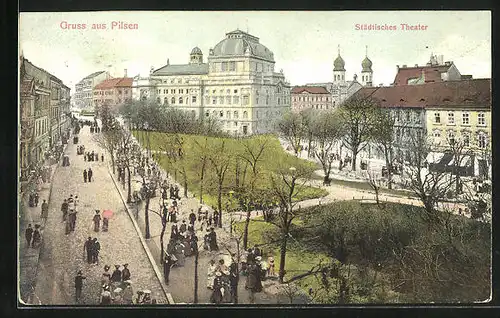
(309,146)
(201,183)
(112,155)
(129,185)
(162,234)
(245,233)
(219,203)
(196,254)
(146,217)
(354,157)
(284,240)
(185,185)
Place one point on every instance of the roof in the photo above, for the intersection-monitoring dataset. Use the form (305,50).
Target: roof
(115,82)
(239,42)
(182,69)
(93,75)
(432,73)
(475,93)
(310,89)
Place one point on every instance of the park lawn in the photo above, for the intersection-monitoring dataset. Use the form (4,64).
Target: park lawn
(273,158)
(298,259)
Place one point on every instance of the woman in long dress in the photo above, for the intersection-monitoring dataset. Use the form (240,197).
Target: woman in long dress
(211,274)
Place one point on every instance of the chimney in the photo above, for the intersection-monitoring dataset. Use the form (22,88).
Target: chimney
(404,65)
(447,63)
(125,73)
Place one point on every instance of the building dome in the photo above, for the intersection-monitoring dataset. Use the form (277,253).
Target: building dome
(196,50)
(239,43)
(366,65)
(338,64)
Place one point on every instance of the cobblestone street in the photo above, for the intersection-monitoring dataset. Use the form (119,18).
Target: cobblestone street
(63,255)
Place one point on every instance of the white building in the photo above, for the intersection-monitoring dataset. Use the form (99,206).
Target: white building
(238,85)
(84,90)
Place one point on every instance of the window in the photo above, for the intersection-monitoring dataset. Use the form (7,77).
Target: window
(193,114)
(181,100)
(181,91)
(245,115)
(267,100)
(235,115)
(207,114)
(214,100)
(466,139)
(228,114)
(232,66)
(236,99)
(437,134)
(221,100)
(451,118)
(165,91)
(451,137)
(172,101)
(165,101)
(481,140)
(173,91)
(465,118)
(245,100)
(437,118)
(228,100)
(481,119)
(228,91)
(236,91)
(193,99)
(221,114)
(235,124)
(279,100)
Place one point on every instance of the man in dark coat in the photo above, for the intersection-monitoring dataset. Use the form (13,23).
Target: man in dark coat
(45,210)
(174,232)
(167,265)
(90,175)
(84,175)
(64,209)
(95,251)
(116,277)
(192,218)
(125,272)
(97,221)
(78,285)
(88,247)
(183,227)
(233,280)
(216,218)
(216,297)
(28,234)
(37,237)
(213,240)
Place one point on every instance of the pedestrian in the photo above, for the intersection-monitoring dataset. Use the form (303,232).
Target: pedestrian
(173,216)
(125,272)
(79,285)
(256,251)
(233,280)
(216,297)
(88,247)
(96,249)
(105,224)
(192,217)
(116,277)
(203,223)
(167,265)
(106,296)
(72,219)
(210,218)
(206,241)
(84,175)
(270,268)
(36,199)
(183,227)
(37,236)
(102,157)
(97,221)
(90,175)
(96,156)
(85,157)
(174,232)
(28,234)
(212,268)
(45,210)
(128,293)
(179,253)
(213,240)
(216,217)
(106,276)
(64,209)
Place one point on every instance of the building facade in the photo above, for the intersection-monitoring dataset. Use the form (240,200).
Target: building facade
(311,97)
(44,101)
(84,90)
(113,92)
(237,85)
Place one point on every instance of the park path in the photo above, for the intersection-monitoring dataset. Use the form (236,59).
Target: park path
(62,255)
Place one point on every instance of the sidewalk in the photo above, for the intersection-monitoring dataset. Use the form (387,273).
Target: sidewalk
(29,256)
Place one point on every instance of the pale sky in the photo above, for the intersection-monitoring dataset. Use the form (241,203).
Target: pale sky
(304,42)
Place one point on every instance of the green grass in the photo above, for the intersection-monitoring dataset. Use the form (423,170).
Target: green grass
(273,158)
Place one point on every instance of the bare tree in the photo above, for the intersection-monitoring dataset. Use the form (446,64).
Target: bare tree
(292,129)
(202,154)
(286,184)
(109,140)
(375,184)
(220,161)
(358,116)
(327,131)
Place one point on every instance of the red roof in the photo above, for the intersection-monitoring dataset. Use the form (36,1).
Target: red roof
(115,82)
(470,93)
(432,73)
(310,89)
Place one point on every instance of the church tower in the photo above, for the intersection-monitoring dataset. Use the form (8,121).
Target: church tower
(338,70)
(366,72)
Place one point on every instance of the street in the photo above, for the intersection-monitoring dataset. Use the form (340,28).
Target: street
(63,255)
